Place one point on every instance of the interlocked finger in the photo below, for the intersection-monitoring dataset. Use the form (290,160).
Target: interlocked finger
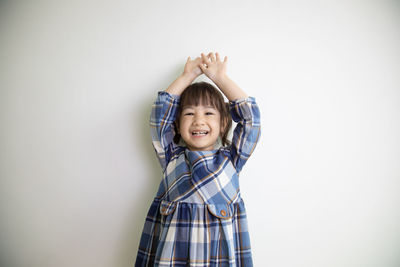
(211,56)
(205,58)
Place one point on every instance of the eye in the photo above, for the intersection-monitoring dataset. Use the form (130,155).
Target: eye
(209,113)
(188,114)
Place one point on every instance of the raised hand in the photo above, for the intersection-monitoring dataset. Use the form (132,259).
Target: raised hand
(192,67)
(191,71)
(212,66)
(215,69)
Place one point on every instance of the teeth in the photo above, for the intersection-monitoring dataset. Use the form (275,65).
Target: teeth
(200,133)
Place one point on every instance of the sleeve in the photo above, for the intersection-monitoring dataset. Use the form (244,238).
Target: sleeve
(163,114)
(246,114)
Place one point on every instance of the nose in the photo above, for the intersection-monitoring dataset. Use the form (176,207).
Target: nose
(198,119)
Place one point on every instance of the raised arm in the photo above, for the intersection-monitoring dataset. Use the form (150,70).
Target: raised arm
(246,114)
(165,109)
(215,69)
(244,110)
(190,72)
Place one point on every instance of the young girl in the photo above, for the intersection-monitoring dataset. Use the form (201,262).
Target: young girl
(198,217)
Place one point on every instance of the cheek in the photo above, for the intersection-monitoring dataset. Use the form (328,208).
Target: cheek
(217,125)
(183,124)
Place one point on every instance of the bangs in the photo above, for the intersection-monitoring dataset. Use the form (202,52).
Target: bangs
(202,94)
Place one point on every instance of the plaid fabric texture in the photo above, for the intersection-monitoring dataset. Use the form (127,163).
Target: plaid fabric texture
(198,217)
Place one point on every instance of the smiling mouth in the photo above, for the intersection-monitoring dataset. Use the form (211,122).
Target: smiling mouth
(199,133)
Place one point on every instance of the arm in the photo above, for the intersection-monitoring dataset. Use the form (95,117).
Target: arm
(244,110)
(164,112)
(246,114)
(190,72)
(216,71)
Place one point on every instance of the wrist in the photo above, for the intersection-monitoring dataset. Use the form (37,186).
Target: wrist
(180,84)
(221,78)
(188,76)
(230,89)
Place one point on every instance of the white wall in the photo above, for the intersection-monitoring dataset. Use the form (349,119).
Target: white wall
(78,171)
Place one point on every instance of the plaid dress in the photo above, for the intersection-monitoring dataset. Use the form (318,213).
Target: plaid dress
(198,217)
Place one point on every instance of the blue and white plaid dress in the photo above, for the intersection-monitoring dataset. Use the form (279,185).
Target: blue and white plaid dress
(198,217)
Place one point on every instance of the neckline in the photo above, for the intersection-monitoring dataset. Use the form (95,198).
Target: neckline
(213,151)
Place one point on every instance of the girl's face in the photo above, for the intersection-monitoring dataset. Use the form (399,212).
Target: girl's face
(199,126)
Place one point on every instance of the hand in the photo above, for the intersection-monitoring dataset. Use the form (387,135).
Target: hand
(192,67)
(212,66)
(190,72)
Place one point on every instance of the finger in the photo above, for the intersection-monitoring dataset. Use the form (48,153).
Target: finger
(225,59)
(211,56)
(205,58)
(217,56)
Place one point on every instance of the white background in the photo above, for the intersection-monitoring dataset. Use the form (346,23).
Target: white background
(78,172)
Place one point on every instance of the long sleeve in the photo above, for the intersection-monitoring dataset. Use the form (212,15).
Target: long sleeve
(163,114)
(246,114)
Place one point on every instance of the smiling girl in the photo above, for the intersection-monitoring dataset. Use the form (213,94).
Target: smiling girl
(198,217)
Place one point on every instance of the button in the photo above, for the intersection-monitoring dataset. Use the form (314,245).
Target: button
(223,213)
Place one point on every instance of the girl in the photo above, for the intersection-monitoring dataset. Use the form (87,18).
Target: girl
(198,217)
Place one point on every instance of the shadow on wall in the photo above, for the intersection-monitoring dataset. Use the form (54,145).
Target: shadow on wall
(137,215)
(135,220)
